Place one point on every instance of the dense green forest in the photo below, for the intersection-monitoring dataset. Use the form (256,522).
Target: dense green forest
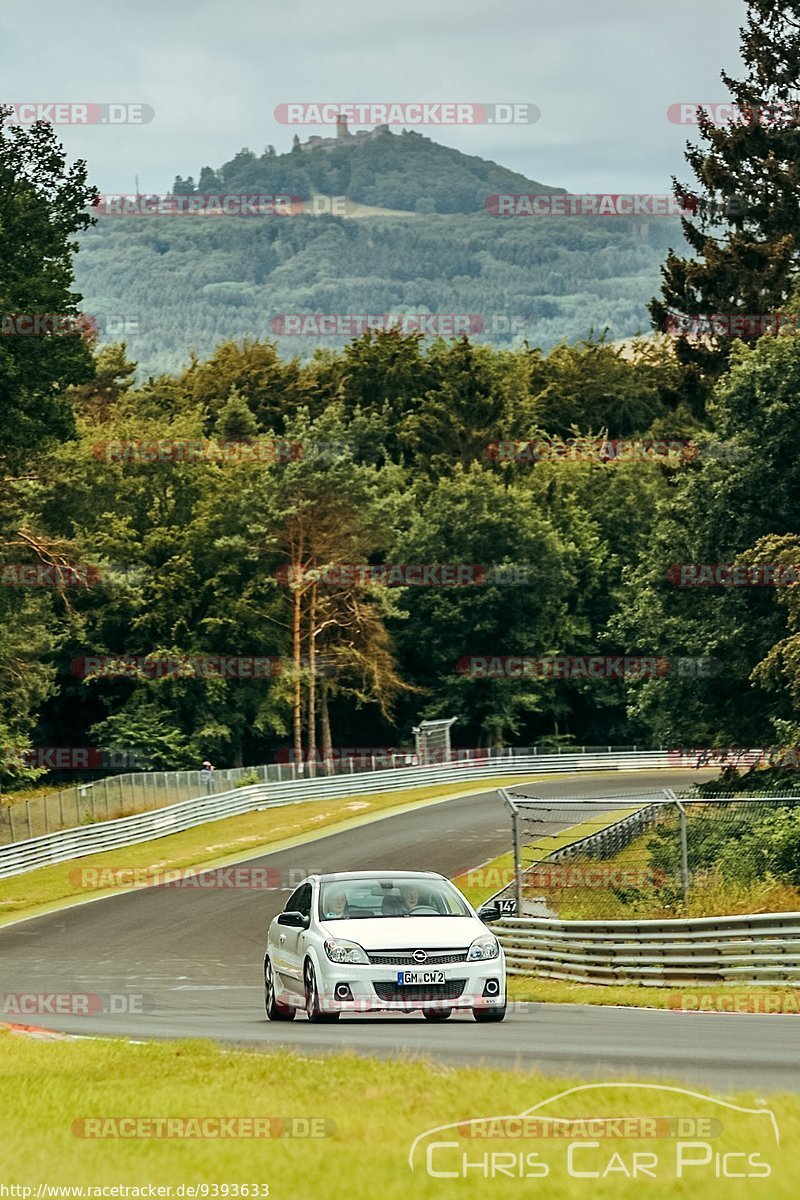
(193,553)
(168,285)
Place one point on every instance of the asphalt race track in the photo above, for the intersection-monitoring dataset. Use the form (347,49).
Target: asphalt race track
(189,963)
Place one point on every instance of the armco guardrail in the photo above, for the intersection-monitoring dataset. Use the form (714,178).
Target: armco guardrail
(77,842)
(759,948)
(114,796)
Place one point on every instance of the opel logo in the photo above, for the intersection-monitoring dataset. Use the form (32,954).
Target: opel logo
(420,956)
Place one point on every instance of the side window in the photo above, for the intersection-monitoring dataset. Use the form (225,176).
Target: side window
(302,899)
(294,901)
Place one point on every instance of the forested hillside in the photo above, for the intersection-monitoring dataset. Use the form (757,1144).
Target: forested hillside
(181,283)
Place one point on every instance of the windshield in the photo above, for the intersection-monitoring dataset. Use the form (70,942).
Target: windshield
(344,900)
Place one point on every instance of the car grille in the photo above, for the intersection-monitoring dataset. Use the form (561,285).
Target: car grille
(413,995)
(405,958)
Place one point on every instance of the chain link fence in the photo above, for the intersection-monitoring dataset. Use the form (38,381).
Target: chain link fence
(653,856)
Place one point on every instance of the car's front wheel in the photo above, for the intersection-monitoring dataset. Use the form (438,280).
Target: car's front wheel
(275,1010)
(489,1014)
(313,1009)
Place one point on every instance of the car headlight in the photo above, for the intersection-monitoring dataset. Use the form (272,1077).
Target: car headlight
(485,946)
(339,950)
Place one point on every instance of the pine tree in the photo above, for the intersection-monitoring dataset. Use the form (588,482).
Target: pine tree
(744,226)
(236,422)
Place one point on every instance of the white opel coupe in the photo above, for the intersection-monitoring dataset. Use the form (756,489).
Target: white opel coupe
(382,941)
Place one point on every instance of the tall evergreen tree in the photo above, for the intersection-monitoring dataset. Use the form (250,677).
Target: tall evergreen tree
(745,217)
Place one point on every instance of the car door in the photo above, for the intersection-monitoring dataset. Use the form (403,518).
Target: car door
(291,943)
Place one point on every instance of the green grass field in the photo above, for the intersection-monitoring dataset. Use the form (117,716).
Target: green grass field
(371,1113)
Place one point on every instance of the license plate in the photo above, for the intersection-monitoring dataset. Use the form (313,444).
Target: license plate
(412,977)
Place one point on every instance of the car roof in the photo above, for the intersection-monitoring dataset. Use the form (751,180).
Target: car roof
(368,876)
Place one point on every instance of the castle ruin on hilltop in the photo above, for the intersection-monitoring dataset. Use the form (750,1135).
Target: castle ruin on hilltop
(343,137)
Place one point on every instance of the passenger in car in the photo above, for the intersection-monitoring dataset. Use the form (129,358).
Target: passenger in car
(337,905)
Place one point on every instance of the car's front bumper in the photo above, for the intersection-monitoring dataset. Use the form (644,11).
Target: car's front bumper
(477,985)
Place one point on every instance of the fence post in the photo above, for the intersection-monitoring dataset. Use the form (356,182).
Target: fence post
(684,855)
(517,863)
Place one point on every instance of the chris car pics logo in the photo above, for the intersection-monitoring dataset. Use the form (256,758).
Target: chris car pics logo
(621,1132)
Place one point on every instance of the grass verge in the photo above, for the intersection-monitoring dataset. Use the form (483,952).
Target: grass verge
(695,997)
(374,1112)
(218,843)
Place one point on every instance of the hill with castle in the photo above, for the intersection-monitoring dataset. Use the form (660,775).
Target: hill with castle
(404,172)
(164,284)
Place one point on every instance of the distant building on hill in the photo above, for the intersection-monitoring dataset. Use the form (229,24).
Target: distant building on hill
(343,136)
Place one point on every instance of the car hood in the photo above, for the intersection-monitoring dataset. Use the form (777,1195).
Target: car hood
(408,933)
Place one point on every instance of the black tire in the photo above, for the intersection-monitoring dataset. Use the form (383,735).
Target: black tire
(313,1010)
(275,1011)
(437,1014)
(485,1015)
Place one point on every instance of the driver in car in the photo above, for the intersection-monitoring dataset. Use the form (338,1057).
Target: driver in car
(410,896)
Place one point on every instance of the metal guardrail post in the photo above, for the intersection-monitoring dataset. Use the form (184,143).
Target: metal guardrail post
(684,846)
(684,856)
(509,799)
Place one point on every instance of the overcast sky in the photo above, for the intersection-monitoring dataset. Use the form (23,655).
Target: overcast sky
(603,76)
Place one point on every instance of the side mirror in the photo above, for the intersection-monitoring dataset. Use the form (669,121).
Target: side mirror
(490,912)
(295,920)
